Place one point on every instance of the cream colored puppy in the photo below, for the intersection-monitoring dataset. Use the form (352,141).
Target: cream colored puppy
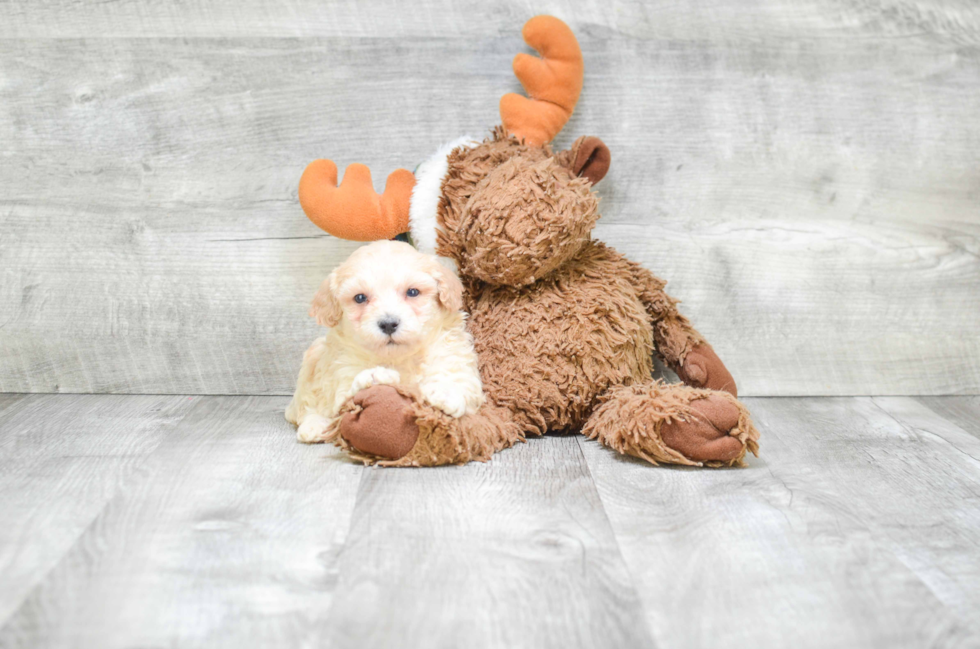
(395,318)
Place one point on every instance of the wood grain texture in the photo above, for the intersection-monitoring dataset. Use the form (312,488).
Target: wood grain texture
(857,527)
(717,20)
(172,521)
(62,458)
(962,411)
(941,543)
(229,539)
(804,174)
(8,401)
(513,553)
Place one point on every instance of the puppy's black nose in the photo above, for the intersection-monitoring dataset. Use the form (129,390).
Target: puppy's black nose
(388,324)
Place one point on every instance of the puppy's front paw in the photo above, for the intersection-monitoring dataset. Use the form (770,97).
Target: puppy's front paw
(445,399)
(375,376)
(312,428)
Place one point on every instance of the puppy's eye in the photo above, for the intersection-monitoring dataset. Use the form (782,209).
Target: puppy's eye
(412,292)
(360,298)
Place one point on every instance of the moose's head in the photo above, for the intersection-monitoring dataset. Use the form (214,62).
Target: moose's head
(506,211)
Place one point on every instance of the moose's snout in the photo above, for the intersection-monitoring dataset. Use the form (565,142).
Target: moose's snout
(526,218)
(388,324)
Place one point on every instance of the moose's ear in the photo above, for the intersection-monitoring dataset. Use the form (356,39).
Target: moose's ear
(588,158)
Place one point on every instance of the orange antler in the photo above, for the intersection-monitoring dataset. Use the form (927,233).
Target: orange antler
(553,82)
(354,210)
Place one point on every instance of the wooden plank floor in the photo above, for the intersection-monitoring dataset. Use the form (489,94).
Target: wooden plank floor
(197,521)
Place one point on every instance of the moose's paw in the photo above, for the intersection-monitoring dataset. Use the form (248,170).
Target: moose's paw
(384,424)
(375,376)
(703,369)
(707,434)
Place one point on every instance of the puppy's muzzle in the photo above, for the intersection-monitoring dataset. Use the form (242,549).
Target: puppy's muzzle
(388,325)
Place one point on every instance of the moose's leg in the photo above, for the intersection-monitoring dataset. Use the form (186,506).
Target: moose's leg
(391,426)
(674,423)
(680,345)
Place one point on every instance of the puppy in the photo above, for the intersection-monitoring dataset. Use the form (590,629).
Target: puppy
(395,318)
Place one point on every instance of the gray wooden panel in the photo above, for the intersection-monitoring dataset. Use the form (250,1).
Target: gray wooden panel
(853,529)
(513,553)
(230,537)
(805,175)
(62,458)
(717,20)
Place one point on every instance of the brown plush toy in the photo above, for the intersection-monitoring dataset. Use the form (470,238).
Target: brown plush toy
(565,327)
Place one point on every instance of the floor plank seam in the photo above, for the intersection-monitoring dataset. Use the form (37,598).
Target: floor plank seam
(619,549)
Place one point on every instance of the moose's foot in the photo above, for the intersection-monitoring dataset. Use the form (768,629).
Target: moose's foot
(675,424)
(381,424)
(709,432)
(393,426)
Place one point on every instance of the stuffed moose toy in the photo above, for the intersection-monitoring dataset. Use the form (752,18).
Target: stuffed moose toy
(565,327)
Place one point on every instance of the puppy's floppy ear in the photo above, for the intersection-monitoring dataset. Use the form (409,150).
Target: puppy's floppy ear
(450,289)
(326,307)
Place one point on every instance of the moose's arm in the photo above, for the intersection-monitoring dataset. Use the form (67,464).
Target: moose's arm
(680,345)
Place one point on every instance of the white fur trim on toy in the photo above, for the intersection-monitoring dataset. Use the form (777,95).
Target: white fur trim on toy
(424,206)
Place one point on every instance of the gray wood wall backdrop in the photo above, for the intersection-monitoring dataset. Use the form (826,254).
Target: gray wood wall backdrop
(806,173)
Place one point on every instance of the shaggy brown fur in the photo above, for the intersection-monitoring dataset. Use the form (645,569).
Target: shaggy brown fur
(565,327)
(467,169)
(548,351)
(550,214)
(672,333)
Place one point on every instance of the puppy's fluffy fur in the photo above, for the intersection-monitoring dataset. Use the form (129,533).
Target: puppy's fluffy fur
(395,318)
